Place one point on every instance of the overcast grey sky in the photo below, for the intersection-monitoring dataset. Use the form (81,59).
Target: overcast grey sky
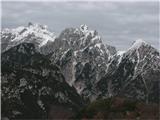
(118,23)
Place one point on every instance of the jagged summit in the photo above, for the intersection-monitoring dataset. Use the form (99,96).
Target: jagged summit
(141,47)
(120,53)
(81,60)
(138,43)
(86,31)
(80,37)
(30,23)
(84,27)
(33,33)
(37,25)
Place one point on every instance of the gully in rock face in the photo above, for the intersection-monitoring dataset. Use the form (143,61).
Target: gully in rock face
(75,74)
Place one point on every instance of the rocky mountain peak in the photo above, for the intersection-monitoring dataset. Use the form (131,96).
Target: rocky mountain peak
(33,33)
(38,26)
(138,43)
(30,24)
(141,47)
(87,32)
(84,27)
(83,58)
(75,66)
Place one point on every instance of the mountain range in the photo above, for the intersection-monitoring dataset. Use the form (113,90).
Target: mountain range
(41,70)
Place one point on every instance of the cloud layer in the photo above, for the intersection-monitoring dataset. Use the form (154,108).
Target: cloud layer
(119,23)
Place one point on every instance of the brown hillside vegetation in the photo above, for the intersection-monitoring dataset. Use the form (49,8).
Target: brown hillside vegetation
(119,108)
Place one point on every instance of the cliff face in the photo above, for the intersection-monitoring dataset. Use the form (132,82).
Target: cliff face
(31,84)
(71,69)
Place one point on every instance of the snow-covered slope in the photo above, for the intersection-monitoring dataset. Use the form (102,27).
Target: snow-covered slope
(93,68)
(83,58)
(42,73)
(33,33)
(138,43)
(136,74)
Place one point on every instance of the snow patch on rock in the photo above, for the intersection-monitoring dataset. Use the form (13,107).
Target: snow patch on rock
(137,44)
